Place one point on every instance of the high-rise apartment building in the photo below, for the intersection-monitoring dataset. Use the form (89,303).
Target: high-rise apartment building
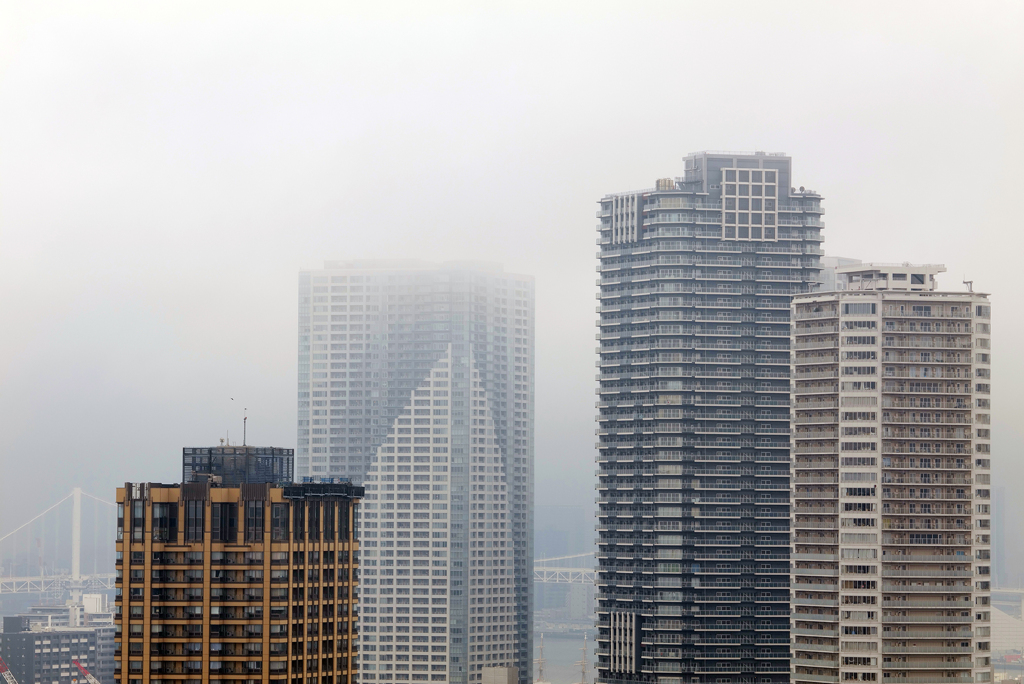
(236,584)
(417,379)
(697,275)
(891,489)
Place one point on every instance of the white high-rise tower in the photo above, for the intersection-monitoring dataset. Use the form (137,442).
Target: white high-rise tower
(417,380)
(407,531)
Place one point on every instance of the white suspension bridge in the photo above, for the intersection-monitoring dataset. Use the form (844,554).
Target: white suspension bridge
(565,573)
(35,557)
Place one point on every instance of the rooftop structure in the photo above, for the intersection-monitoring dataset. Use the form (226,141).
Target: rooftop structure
(236,465)
(902,277)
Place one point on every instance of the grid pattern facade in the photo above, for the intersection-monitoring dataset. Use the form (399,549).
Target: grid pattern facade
(694,421)
(891,510)
(370,335)
(216,585)
(409,599)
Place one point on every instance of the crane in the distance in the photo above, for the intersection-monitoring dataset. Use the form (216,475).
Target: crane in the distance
(88,677)
(6,673)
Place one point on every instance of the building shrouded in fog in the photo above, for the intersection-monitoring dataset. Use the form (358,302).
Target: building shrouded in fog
(417,380)
(697,275)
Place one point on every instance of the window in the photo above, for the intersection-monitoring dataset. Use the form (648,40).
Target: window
(224,522)
(254,521)
(859,340)
(299,521)
(329,526)
(165,522)
(194,521)
(314,520)
(859,308)
(138,519)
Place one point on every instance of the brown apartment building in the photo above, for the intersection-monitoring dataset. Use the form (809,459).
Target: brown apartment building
(255,583)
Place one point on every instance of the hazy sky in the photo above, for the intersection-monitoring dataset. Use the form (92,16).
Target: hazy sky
(167,168)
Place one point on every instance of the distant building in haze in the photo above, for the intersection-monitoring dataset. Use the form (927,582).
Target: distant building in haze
(831,278)
(41,654)
(417,379)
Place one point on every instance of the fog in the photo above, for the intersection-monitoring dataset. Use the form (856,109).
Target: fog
(166,169)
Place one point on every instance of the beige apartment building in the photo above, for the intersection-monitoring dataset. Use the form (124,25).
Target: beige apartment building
(891,517)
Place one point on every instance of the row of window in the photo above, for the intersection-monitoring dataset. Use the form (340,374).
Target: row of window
(314,520)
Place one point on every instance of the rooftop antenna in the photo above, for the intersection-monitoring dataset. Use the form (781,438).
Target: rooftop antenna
(969,284)
(244,419)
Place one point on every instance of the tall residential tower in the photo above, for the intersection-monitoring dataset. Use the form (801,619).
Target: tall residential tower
(697,275)
(891,491)
(417,379)
(236,584)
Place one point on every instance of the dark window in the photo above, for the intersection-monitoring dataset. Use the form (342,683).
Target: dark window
(138,519)
(194,522)
(343,526)
(314,521)
(329,507)
(253,521)
(224,527)
(299,521)
(279,522)
(165,522)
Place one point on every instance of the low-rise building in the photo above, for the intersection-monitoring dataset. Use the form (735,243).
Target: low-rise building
(39,654)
